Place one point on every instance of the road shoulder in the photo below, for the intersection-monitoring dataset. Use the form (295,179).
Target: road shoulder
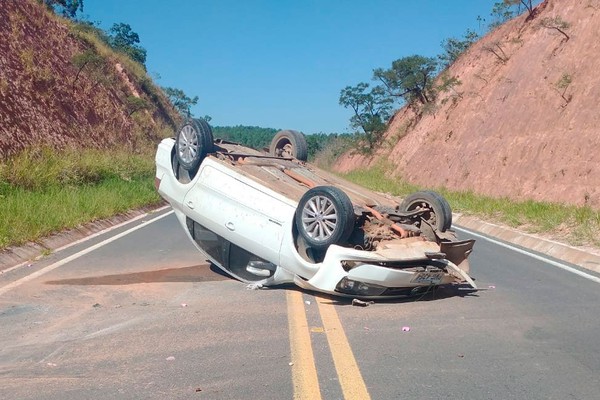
(587,258)
(30,252)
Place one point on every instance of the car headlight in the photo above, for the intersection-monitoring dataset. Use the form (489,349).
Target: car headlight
(357,288)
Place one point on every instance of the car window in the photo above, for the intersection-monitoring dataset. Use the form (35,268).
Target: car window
(231,257)
(212,244)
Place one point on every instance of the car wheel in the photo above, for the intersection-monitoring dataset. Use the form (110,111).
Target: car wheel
(194,141)
(437,210)
(325,216)
(289,144)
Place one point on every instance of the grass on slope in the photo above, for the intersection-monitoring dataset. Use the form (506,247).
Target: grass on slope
(574,225)
(43,191)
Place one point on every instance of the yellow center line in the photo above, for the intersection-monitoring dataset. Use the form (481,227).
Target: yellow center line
(304,371)
(351,381)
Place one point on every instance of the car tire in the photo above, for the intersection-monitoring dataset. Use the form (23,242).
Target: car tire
(289,143)
(193,142)
(325,216)
(439,213)
(182,175)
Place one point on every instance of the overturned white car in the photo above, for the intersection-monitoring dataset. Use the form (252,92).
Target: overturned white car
(270,218)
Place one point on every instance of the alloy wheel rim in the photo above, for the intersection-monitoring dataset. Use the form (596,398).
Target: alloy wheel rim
(319,218)
(188,144)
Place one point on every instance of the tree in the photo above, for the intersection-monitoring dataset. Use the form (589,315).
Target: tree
(68,8)
(556,23)
(316,142)
(501,12)
(449,83)
(562,85)
(410,78)
(135,104)
(527,3)
(496,49)
(88,59)
(125,40)
(453,47)
(180,100)
(371,108)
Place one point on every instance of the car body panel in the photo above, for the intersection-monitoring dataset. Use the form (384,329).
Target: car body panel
(256,219)
(248,201)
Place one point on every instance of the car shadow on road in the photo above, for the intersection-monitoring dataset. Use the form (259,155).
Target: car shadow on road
(194,273)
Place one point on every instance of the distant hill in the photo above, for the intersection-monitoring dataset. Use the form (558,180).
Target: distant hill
(524,123)
(251,136)
(260,138)
(61,86)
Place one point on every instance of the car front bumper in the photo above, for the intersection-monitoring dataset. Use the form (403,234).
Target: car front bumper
(371,279)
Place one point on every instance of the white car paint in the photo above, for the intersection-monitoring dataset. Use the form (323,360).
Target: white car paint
(260,221)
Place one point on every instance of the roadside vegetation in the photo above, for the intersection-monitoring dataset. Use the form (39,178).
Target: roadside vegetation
(47,188)
(578,226)
(417,81)
(45,191)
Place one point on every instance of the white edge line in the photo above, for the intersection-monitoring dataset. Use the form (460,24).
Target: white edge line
(532,255)
(85,239)
(75,256)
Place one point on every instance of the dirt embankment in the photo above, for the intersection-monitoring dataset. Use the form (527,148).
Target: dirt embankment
(51,94)
(524,123)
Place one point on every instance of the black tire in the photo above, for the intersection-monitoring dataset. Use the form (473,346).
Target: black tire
(447,212)
(438,214)
(182,175)
(325,216)
(193,142)
(289,144)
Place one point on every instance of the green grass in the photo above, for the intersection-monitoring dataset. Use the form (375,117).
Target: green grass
(44,191)
(574,225)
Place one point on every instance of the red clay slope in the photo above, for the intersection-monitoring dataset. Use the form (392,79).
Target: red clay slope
(43,99)
(510,132)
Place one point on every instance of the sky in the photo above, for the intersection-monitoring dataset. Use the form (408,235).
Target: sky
(282,63)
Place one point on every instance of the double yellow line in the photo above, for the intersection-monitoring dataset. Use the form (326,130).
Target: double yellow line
(304,371)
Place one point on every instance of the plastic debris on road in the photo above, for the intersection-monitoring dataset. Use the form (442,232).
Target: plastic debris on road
(360,303)
(406,329)
(254,286)
(170,358)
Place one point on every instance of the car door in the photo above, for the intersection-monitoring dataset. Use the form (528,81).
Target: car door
(238,209)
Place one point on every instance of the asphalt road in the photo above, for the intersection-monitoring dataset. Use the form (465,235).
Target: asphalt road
(143,316)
